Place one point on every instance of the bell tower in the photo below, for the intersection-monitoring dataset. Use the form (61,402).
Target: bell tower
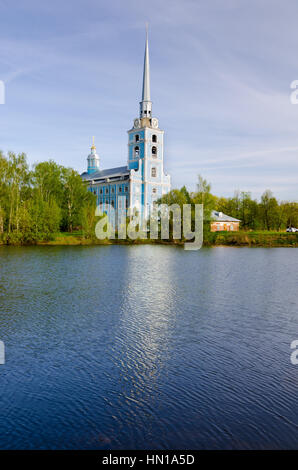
(145,150)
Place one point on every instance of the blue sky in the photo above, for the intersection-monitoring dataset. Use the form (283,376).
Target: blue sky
(220,86)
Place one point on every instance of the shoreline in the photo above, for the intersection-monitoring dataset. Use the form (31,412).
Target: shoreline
(213,239)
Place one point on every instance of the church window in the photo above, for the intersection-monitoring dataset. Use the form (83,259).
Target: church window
(154,190)
(101,191)
(154,138)
(107,190)
(113,190)
(120,189)
(153,172)
(126,189)
(137,137)
(137,151)
(113,203)
(126,203)
(154,151)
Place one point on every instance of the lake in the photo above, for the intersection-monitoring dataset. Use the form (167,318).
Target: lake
(148,347)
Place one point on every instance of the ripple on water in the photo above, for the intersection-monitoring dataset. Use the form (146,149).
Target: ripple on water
(147,347)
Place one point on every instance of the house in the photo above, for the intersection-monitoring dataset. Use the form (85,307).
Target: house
(222,222)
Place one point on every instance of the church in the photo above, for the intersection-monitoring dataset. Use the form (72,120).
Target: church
(142,181)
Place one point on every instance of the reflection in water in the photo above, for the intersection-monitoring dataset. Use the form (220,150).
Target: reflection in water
(143,335)
(147,347)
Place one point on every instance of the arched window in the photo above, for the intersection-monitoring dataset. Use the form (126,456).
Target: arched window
(153,172)
(136,151)
(137,137)
(154,138)
(154,151)
(154,190)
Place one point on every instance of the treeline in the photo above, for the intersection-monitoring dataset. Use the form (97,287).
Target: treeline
(266,214)
(35,204)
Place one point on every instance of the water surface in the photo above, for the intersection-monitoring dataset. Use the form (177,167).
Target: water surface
(148,347)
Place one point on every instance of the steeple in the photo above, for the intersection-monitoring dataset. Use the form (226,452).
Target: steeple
(146,104)
(146,73)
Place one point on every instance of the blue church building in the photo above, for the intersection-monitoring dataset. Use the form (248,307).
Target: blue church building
(142,181)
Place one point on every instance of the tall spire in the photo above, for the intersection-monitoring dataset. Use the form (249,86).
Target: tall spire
(146,73)
(145,104)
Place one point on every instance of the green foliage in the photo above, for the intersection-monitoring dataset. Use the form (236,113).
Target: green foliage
(89,218)
(268,214)
(75,199)
(35,205)
(203,196)
(254,239)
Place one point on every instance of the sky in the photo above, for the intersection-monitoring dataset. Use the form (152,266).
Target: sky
(220,85)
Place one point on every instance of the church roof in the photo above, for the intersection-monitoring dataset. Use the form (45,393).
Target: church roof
(108,173)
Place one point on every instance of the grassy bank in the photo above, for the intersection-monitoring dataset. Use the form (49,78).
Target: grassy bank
(260,238)
(77,238)
(251,239)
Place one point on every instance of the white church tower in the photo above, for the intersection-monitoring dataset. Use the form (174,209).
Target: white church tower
(142,181)
(145,150)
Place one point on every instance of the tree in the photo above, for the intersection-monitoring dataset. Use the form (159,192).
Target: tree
(18,178)
(75,197)
(203,196)
(269,210)
(89,218)
(47,179)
